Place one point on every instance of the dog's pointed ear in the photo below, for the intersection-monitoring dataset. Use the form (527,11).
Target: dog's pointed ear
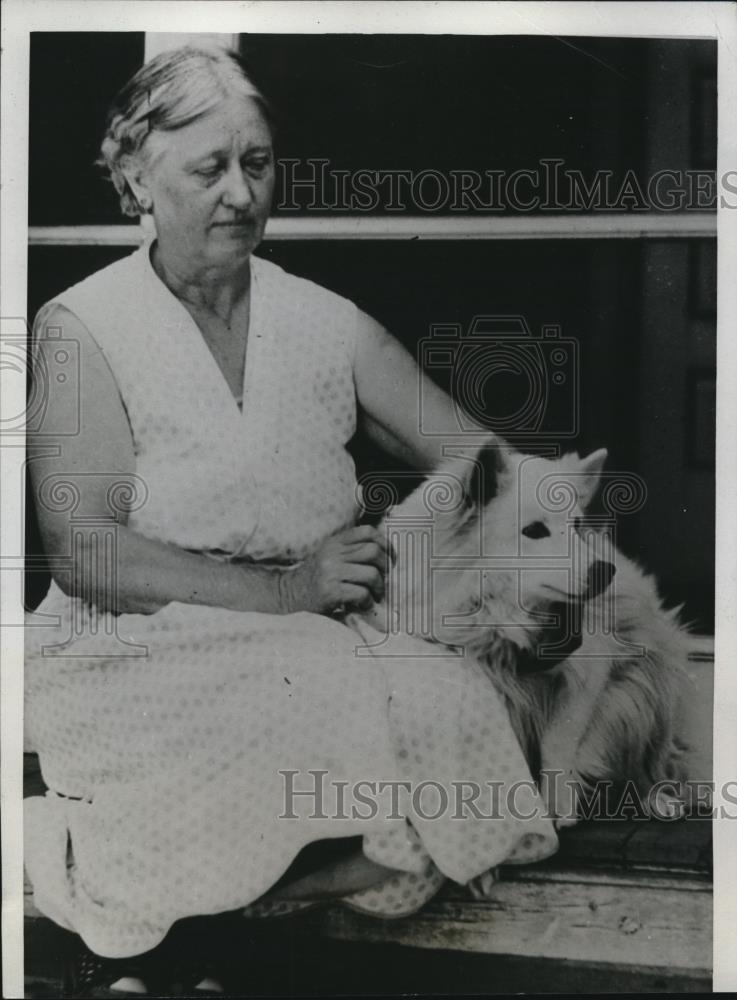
(588,482)
(483,483)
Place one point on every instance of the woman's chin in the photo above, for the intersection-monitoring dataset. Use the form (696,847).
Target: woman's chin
(228,248)
(236,233)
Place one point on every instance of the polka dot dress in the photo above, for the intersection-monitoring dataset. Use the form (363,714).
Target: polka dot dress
(191,754)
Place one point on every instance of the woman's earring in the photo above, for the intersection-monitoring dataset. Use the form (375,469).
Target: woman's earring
(145,202)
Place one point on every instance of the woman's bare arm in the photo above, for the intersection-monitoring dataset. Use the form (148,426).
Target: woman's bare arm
(403,410)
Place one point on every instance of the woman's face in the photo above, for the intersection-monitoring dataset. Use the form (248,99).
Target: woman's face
(211,184)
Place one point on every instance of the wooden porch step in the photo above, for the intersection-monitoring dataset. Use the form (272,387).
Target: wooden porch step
(642,923)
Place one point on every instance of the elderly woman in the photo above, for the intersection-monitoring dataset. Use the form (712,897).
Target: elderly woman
(190,663)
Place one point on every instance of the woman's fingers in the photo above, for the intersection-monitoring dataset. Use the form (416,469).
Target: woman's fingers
(369,553)
(368,577)
(365,534)
(348,570)
(359,533)
(357,597)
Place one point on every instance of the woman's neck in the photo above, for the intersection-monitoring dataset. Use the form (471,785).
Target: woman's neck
(209,288)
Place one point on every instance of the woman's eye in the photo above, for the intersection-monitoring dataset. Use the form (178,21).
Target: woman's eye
(208,173)
(258,166)
(535,530)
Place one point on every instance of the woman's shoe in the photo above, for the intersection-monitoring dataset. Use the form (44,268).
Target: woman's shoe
(208,987)
(85,972)
(87,975)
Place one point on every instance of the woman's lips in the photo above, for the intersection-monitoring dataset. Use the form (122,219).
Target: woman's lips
(244,229)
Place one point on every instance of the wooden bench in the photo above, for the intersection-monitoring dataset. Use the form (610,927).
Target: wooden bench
(624,906)
(629,899)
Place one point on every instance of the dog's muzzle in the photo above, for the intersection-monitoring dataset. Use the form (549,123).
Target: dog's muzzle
(598,578)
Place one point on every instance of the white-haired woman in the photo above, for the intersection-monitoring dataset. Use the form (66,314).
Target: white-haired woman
(195,661)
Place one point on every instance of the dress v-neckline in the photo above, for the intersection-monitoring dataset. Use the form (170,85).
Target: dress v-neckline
(252,338)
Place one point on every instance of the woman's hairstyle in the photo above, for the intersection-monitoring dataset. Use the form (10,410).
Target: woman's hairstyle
(172,90)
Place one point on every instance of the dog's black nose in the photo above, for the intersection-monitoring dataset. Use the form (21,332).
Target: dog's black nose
(599,577)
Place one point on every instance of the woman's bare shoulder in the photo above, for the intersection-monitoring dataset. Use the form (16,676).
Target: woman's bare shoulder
(55,323)
(84,396)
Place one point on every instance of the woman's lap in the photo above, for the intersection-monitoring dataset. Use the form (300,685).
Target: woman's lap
(187,761)
(210,679)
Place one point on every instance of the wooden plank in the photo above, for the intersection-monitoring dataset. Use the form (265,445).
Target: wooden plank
(684,844)
(506,227)
(84,236)
(701,647)
(683,882)
(596,842)
(597,226)
(642,923)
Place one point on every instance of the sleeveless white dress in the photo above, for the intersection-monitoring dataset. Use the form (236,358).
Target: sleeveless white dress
(170,742)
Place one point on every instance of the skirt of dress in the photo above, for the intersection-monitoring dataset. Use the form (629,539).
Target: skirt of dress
(193,753)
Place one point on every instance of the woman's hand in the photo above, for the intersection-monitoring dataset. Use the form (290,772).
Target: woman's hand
(347,570)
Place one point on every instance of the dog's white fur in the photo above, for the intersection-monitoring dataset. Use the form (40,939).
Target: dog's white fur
(608,712)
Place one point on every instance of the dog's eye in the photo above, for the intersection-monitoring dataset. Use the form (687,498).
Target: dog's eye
(536,530)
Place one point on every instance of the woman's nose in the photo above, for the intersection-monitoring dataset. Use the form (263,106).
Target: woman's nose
(237,190)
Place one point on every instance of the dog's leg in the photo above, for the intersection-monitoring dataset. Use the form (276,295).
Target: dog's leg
(563,733)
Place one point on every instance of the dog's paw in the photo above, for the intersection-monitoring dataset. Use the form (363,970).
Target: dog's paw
(482,886)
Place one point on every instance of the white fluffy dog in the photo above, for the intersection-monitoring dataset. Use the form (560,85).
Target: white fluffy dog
(491,549)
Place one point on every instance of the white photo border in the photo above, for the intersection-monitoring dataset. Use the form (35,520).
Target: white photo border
(646,19)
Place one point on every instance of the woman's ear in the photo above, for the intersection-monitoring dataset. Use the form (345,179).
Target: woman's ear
(136,178)
(587,482)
